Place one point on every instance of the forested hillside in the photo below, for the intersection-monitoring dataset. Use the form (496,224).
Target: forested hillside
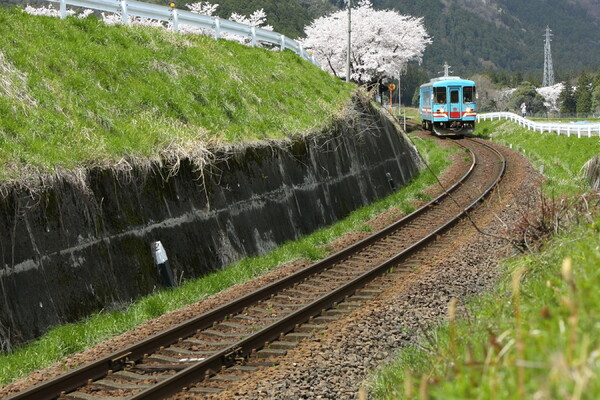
(507,34)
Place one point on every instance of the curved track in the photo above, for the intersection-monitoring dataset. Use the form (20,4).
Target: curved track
(247,327)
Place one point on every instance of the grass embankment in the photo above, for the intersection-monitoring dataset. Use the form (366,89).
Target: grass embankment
(76,93)
(65,340)
(561,158)
(537,335)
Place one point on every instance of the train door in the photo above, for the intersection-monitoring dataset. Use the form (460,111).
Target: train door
(455,103)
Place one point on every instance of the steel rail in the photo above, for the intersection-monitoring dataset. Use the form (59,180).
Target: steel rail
(98,369)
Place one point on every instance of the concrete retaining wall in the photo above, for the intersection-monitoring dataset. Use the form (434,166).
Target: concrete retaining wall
(72,250)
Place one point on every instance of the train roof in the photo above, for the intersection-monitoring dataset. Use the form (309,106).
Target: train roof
(448,80)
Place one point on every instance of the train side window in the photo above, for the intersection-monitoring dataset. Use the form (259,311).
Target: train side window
(469,94)
(440,95)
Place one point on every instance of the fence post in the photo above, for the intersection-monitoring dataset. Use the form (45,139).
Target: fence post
(124,16)
(217,28)
(282,43)
(63,9)
(175,19)
(253,32)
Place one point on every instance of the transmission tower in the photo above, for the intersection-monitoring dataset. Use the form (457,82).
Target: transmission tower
(548,68)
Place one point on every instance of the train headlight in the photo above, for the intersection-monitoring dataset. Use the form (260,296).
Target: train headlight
(441,110)
(469,110)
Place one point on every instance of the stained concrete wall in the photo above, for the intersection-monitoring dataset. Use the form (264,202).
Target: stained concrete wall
(75,249)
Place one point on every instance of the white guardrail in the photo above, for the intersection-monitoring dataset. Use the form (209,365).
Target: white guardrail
(182,17)
(579,129)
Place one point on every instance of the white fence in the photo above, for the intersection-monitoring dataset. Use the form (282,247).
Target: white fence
(579,129)
(181,17)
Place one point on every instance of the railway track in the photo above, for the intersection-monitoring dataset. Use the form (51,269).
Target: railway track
(267,322)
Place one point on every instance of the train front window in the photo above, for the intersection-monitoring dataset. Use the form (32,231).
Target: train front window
(469,94)
(440,95)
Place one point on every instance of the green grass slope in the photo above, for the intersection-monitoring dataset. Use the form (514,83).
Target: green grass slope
(561,158)
(76,93)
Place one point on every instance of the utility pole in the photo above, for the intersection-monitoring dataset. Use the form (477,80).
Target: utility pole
(349,3)
(446,69)
(400,70)
(400,98)
(548,68)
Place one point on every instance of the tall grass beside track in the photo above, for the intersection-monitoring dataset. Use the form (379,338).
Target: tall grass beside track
(537,335)
(69,339)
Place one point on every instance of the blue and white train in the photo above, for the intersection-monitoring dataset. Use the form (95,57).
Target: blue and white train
(447,106)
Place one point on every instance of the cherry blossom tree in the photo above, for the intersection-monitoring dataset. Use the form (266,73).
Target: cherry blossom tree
(383,41)
(203,8)
(551,95)
(257,19)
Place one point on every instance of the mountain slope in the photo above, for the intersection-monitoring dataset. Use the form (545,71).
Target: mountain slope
(506,34)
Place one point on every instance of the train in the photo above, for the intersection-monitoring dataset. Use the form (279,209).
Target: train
(447,106)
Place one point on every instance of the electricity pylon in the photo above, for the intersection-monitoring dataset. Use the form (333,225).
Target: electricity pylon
(548,68)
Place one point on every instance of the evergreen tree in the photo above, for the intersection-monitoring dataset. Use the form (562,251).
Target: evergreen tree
(527,94)
(566,99)
(583,95)
(517,79)
(596,80)
(596,100)
(412,79)
(596,93)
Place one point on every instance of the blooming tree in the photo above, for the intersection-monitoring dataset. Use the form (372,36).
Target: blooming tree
(202,8)
(257,19)
(383,41)
(551,95)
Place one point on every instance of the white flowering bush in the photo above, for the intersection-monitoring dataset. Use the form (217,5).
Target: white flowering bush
(50,11)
